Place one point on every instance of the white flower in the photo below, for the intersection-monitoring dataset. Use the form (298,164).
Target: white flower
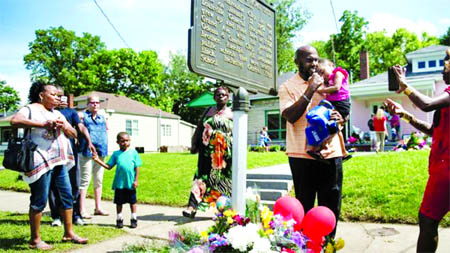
(261,245)
(241,238)
(252,195)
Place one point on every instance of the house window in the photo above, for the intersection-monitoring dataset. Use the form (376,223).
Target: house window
(132,127)
(441,63)
(166,130)
(432,63)
(421,65)
(276,125)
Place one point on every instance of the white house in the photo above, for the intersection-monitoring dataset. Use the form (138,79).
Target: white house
(149,128)
(424,73)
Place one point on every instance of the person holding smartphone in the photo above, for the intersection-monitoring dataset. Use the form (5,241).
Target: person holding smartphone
(436,200)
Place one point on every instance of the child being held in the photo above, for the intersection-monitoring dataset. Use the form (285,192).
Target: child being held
(337,92)
(126,177)
(264,139)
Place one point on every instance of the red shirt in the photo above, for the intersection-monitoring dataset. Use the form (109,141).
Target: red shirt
(440,150)
(379,124)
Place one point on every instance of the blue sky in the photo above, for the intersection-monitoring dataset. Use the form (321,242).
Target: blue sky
(161,25)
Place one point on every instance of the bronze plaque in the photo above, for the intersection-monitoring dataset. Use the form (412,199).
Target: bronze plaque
(234,41)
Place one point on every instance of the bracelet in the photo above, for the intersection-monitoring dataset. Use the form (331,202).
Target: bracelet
(408,91)
(306,98)
(407,117)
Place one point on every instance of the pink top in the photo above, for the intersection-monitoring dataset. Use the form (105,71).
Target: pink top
(342,93)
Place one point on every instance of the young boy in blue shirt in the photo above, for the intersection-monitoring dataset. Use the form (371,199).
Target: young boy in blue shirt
(126,177)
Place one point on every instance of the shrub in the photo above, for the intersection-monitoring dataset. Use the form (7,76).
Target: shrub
(163,149)
(275,148)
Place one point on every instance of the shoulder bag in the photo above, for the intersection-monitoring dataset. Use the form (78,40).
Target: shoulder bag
(19,156)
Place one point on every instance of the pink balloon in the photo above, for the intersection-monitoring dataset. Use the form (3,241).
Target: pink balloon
(318,222)
(290,208)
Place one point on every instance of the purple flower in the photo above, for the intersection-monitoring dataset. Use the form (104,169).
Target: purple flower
(298,239)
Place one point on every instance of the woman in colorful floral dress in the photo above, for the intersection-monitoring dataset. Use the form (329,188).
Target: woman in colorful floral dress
(213,176)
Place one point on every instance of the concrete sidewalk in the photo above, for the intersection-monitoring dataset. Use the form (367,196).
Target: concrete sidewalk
(155,222)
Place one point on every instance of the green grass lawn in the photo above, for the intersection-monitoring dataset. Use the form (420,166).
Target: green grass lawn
(385,187)
(15,233)
(165,178)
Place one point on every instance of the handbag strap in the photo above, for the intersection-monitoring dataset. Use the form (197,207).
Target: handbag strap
(27,129)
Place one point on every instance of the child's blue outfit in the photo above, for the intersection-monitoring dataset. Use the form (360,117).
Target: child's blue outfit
(124,178)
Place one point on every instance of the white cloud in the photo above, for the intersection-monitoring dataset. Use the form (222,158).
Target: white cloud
(390,23)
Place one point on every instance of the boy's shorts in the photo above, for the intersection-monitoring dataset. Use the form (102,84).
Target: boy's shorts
(436,199)
(123,196)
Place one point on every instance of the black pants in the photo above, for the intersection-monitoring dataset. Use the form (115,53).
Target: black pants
(313,178)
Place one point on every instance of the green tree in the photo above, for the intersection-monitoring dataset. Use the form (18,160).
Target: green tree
(9,98)
(136,75)
(184,86)
(445,39)
(56,53)
(348,42)
(290,19)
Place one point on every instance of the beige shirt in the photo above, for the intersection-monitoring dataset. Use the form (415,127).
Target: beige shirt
(296,144)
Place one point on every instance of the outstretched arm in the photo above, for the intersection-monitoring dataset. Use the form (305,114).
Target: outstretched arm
(422,101)
(100,162)
(395,108)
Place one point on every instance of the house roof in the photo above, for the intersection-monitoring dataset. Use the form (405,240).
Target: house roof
(427,50)
(122,104)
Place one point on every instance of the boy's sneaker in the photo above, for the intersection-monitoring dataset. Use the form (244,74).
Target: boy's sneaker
(56,222)
(79,222)
(133,223)
(119,223)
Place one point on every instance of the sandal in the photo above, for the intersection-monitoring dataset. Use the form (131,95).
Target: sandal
(85,216)
(41,246)
(75,239)
(189,213)
(101,212)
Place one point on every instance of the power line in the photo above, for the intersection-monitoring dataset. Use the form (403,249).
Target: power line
(337,31)
(109,21)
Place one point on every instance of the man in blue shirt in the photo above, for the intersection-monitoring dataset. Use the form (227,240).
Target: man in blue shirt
(74,173)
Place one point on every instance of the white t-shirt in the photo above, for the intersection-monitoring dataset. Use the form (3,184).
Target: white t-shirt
(53,146)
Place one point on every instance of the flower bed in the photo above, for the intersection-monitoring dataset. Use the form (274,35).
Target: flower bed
(260,230)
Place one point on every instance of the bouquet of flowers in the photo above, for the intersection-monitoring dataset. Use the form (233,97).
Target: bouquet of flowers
(260,231)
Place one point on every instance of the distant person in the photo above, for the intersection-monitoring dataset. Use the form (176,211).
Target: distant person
(436,199)
(264,139)
(395,126)
(97,127)
(373,136)
(126,178)
(54,157)
(379,126)
(213,176)
(74,173)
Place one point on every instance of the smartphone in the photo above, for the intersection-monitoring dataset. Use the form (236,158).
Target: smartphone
(392,80)
(63,99)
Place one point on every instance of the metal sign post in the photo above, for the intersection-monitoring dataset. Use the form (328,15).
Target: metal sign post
(239,153)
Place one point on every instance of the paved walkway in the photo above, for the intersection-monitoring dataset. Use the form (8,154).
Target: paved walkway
(156,221)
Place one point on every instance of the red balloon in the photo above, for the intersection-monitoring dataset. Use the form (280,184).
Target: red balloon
(290,208)
(318,222)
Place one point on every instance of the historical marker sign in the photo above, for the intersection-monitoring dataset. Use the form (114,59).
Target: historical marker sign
(234,41)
